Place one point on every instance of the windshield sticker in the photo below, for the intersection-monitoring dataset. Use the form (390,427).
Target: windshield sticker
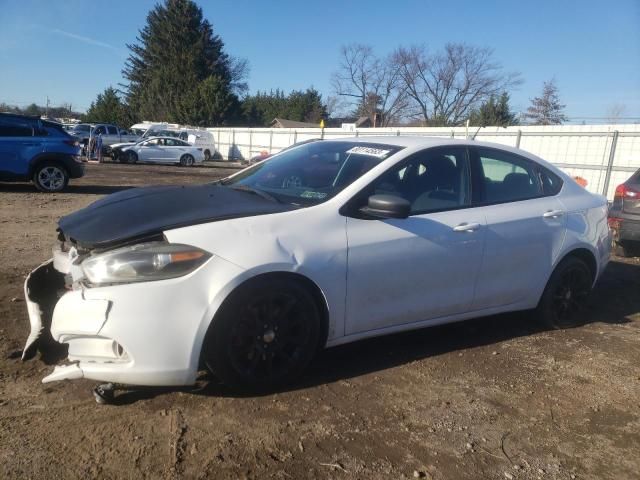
(312,194)
(373,152)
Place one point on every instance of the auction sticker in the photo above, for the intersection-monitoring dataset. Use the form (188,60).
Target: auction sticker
(315,195)
(372,152)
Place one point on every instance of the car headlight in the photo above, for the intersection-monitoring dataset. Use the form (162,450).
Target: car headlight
(142,263)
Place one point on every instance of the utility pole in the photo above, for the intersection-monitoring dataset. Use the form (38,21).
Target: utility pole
(46,111)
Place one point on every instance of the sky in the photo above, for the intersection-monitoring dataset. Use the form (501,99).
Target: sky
(71,50)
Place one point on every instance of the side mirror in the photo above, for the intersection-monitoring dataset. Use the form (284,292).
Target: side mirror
(387,206)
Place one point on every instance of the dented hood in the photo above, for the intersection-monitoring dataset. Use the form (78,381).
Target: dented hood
(138,213)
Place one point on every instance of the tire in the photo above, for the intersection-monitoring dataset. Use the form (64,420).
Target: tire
(245,346)
(564,301)
(50,177)
(187,161)
(625,250)
(207,155)
(132,157)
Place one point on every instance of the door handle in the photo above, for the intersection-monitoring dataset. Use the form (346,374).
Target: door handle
(466,227)
(552,214)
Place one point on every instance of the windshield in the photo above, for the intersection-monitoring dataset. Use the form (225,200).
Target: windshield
(312,173)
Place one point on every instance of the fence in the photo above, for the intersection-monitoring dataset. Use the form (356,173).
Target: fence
(604,155)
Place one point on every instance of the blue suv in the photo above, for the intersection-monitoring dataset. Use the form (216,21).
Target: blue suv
(37,150)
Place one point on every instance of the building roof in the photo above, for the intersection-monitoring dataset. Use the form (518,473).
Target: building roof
(284,123)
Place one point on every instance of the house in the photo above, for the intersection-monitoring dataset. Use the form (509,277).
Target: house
(284,123)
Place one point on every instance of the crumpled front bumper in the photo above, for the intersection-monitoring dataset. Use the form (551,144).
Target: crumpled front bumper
(41,289)
(146,333)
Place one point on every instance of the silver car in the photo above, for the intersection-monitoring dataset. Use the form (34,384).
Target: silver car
(163,150)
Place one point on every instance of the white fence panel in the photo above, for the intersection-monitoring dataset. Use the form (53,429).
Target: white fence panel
(580,150)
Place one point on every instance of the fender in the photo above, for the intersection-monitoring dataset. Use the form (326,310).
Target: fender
(73,168)
(329,327)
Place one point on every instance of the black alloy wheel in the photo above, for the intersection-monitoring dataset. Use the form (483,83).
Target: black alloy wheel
(265,336)
(565,299)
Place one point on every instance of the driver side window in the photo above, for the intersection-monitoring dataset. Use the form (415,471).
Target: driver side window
(432,180)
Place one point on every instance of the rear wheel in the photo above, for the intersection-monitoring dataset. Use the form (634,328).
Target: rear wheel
(264,336)
(50,177)
(624,249)
(187,160)
(564,301)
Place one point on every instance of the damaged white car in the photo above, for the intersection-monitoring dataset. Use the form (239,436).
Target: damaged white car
(324,244)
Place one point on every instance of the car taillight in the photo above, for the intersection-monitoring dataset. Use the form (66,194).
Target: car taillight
(614,222)
(625,191)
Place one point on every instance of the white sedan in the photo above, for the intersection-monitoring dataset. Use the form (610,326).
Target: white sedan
(324,244)
(163,150)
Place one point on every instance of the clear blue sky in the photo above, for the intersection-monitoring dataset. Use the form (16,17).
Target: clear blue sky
(71,50)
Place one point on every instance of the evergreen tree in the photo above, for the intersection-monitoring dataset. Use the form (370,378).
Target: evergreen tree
(176,52)
(211,104)
(109,108)
(33,109)
(301,106)
(494,112)
(547,109)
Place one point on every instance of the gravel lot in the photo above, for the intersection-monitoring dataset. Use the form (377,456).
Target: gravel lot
(498,397)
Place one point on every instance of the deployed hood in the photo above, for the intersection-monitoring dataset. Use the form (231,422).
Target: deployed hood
(140,213)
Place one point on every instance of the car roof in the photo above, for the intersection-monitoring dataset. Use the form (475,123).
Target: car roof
(19,115)
(169,137)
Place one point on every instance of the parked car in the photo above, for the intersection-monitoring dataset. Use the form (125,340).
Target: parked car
(112,134)
(624,217)
(324,244)
(163,150)
(199,138)
(37,150)
(81,132)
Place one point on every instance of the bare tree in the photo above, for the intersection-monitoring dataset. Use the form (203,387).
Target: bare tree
(446,86)
(239,70)
(372,86)
(615,112)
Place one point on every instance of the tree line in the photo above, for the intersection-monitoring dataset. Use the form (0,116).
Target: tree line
(178,71)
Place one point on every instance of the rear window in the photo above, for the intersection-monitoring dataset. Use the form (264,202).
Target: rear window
(15,127)
(551,183)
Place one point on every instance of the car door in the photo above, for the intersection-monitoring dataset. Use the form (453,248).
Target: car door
(149,151)
(173,150)
(423,267)
(18,145)
(525,226)
(112,136)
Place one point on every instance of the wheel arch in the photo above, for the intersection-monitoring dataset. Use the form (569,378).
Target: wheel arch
(311,286)
(587,256)
(59,158)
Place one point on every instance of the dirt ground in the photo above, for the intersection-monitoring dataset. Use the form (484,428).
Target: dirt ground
(498,397)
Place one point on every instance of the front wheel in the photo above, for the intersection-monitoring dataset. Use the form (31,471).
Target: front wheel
(207,155)
(264,336)
(187,161)
(564,301)
(132,157)
(50,177)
